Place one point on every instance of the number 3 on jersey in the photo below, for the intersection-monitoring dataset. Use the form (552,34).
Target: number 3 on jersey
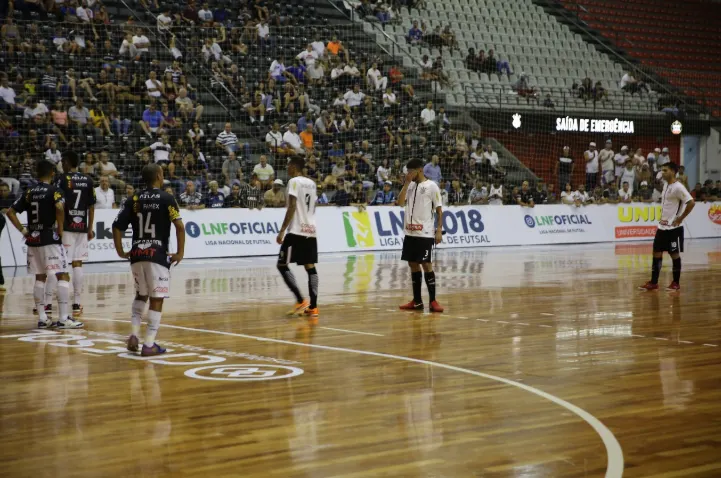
(146,230)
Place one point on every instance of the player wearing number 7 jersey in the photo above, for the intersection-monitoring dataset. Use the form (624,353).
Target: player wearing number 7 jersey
(150,213)
(299,245)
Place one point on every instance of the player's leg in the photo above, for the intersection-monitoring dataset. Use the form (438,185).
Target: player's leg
(430,276)
(413,256)
(2,278)
(138,307)
(77,286)
(158,279)
(77,253)
(51,285)
(308,257)
(285,257)
(659,246)
(39,297)
(675,250)
(61,265)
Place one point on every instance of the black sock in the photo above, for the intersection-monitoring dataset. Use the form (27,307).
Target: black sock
(289,279)
(431,284)
(656,269)
(313,287)
(416,278)
(677,270)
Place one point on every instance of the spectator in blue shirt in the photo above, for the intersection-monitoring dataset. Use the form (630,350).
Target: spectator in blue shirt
(415,35)
(221,14)
(298,71)
(322,198)
(304,120)
(341,197)
(433,171)
(151,120)
(385,196)
(335,152)
(214,199)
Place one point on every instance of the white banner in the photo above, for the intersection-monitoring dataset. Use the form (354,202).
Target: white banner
(216,233)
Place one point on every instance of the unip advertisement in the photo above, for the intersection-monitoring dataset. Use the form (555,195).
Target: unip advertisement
(218,233)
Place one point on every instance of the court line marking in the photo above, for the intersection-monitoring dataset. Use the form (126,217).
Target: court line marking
(711,345)
(352,331)
(614,453)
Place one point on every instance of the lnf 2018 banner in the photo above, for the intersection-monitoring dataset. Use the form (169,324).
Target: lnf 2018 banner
(213,233)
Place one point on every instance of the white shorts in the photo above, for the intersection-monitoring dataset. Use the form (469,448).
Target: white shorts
(151,279)
(76,245)
(47,260)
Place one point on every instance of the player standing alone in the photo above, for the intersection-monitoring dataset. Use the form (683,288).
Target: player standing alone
(676,204)
(299,245)
(421,198)
(46,254)
(150,213)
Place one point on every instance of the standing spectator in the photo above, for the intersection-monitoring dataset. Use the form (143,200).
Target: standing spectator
(652,159)
(264,172)
(227,140)
(683,177)
(605,158)
(629,176)
(663,158)
(161,151)
(275,197)
(152,118)
(638,158)
(104,195)
(251,196)
(621,159)
(564,166)
(432,170)
(591,159)
(191,198)
(232,169)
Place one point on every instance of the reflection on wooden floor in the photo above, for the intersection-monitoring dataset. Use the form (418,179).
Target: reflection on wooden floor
(369,391)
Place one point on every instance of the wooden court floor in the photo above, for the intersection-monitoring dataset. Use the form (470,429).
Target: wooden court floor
(547,363)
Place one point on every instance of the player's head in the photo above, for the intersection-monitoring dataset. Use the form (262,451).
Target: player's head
(669,171)
(153,175)
(415,168)
(295,166)
(70,161)
(45,171)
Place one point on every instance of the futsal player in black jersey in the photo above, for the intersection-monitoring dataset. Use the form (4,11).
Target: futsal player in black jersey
(45,209)
(150,213)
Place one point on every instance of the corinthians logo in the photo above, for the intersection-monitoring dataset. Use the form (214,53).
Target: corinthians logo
(714,214)
(676,127)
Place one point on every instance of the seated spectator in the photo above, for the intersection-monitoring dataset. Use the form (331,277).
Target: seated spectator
(214,199)
(212,51)
(187,108)
(523,88)
(353,74)
(161,151)
(358,196)
(355,98)
(152,119)
(548,102)
(37,115)
(233,200)
(53,155)
(581,196)
(322,199)
(191,198)
(205,15)
(443,186)
(479,194)
(525,196)
(104,195)
(107,168)
(292,140)
(154,87)
(383,173)
(7,199)
(568,195)
(471,60)
(384,197)
(415,34)
(335,48)
(610,194)
(625,194)
(227,140)
(164,21)
(449,38)
(306,138)
(540,196)
(375,78)
(644,193)
(599,92)
(275,197)
(432,170)
(457,195)
(501,66)
(428,115)
(264,172)
(99,121)
(631,85)
(79,117)
(141,43)
(277,71)
(232,170)
(251,195)
(195,134)
(585,91)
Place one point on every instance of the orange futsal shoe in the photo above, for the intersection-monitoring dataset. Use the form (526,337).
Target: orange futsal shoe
(436,307)
(412,305)
(299,308)
(313,313)
(649,286)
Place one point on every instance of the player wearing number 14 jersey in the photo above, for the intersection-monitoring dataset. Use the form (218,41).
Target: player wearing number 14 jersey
(299,245)
(150,213)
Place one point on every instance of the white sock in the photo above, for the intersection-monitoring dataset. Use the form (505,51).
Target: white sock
(50,286)
(39,296)
(262,117)
(77,284)
(153,325)
(137,316)
(63,298)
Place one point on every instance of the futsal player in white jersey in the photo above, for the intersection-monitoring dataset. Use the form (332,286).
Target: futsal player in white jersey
(299,245)
(676,204)
(421,198)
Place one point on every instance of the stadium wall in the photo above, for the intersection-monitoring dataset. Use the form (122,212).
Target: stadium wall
(246,233)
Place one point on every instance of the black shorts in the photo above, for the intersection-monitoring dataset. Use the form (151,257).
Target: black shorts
(668,240)
(297,249)
(418,249)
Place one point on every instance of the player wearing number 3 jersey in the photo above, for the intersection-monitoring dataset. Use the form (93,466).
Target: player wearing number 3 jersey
(150,213)
(299,245)
(421,198)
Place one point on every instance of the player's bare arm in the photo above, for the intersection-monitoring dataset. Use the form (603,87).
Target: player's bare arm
(288,218)
(689,207)
(439,224)
(91,223)
(16,222)
(402,195)
(118,241)
(180,238)
(60,217)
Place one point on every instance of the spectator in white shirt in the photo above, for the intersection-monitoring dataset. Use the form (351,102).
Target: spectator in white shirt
(211,50)
(581,197)
(376,80)
(7,93)
(83,13)
(165,21)
(428,115)
(107,168)
(355,97)
(274,140)
(389,100)
(277,71)
(292,140)
(161,151)
(140,42)
(205,14)
(568,196)
(53,155)
(104,195)
(351,70)
(264,172)
(153,86)
(663,158)
(316,73)
(263,34)
(309,55)
(318,47)
(626,193)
